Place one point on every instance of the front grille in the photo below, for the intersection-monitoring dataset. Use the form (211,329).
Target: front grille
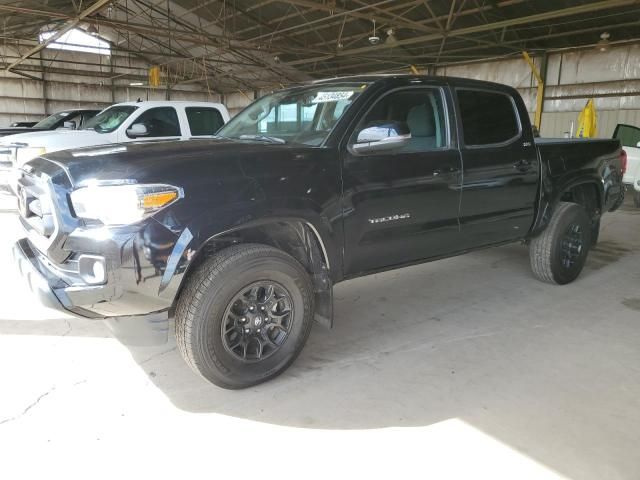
(42,191)
(35,205)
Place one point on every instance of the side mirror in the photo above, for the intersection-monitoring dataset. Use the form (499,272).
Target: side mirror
(381,137)
(638,144)
(137,130)
(71,125)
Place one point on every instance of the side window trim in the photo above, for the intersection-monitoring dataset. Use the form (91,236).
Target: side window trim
(447,145)
(516,113)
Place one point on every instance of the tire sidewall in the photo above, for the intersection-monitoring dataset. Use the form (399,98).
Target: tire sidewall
(214,356)
(574,215)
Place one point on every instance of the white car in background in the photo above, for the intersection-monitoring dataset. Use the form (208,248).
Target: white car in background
(123,122)
(629,137)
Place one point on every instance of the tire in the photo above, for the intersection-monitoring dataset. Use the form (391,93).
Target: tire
(213,300)
(636,198)
(568,231)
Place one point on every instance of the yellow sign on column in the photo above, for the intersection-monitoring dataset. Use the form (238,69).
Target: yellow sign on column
(154,76)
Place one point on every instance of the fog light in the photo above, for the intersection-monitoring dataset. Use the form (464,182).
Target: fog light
(92,269)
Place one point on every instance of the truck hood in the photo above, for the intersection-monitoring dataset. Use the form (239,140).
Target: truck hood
(173,162)
(17,130)
(55,140)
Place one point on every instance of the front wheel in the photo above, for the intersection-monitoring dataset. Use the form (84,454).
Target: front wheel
(244,316)
(559,253)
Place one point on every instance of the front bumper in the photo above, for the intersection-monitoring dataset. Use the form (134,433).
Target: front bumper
(36,278)
(82,301)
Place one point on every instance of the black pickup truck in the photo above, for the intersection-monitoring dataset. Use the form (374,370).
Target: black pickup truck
(241,238)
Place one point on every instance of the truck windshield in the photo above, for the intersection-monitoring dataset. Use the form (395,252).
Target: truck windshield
(110,119)
(52,120)
(301,116)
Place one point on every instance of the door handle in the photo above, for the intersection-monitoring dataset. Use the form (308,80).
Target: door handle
(444,171)
(522,165)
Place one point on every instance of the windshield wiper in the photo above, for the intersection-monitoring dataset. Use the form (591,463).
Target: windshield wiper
(263,138)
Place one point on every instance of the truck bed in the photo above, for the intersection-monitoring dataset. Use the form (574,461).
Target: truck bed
(578,158)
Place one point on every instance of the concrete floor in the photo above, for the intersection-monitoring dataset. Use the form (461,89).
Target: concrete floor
(463,368)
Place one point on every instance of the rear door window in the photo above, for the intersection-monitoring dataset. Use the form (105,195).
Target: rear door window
(203,120)
(488,118)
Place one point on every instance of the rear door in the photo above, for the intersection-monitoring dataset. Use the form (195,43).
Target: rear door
(401,205)
(501,167)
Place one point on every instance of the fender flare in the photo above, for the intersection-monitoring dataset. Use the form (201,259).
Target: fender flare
(194,239)
(550,201)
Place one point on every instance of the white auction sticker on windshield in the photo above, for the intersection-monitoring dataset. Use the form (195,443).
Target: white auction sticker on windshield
(324,97)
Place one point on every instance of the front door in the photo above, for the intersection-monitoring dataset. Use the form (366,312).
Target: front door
(501,168)
(161,122)
(401,203)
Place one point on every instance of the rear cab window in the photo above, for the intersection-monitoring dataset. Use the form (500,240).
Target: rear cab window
(204,120)
(488,118)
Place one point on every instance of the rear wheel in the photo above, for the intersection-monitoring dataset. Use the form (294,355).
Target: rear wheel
(244,316)
(559,253)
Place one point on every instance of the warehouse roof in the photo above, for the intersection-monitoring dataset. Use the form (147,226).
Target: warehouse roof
(253,44)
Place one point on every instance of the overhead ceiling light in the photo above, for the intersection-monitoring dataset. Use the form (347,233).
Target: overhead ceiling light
(136,84)
(604,43)
(391,37)
(374,39)
(91,29)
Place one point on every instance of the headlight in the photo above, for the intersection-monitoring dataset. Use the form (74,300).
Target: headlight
(122,204)
(24,154)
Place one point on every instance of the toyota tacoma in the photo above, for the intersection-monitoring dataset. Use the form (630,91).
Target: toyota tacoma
(240,238)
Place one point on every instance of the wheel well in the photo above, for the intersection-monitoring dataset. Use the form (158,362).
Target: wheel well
(296,238)
(588,196)
(293,237)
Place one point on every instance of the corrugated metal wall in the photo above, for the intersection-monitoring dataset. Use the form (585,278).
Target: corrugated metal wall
(23,99)
(613,77)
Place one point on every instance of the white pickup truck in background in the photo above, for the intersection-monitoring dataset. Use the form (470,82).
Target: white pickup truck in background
(629,137)
(123,122)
